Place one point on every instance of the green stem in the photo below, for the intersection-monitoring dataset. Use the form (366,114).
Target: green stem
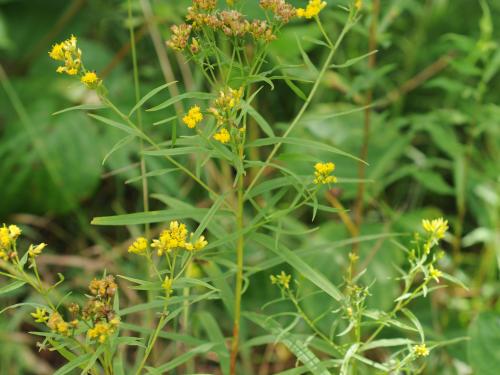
(239,277)
(306,104)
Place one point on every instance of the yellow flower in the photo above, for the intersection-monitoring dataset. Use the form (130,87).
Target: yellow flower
(193,117)
(57,52)
(34,251)
(101,331)
(14,231)
(57,324)
(198,245)
(434,273)
(358,4)
(8,237)
(421,350)
(282,279)
(353,257)
(312,9)
(436,228)
(172,238)
(90,79)
(167,285)
(222,136)
(70,54)
(139,246)
(40,315)
(322,173)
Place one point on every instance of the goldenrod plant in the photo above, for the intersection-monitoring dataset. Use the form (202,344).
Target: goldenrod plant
(191,266)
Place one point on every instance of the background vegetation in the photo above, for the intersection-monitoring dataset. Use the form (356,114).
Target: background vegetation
(430,94)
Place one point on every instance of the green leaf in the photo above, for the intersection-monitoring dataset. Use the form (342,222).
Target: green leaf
(344,370)
(434,182)
(178,98)
(149,95)
(302,267)
(79,361)
(121,143)
(180,359)
(11,287)
(415,322)
(261,121)
(154,173)
(215,335)
(482,349)
(353,60)
(302,142)
(209,216)
(296,346)
(385,343)
(153,217)
(116,124)
(83,107)
(177,151)
(296,89)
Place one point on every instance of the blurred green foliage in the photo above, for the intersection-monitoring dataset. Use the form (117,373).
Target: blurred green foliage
(434,147)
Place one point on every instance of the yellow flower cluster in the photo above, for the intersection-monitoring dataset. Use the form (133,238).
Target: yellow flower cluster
(282,279)
(229,98)
(40,315)
(436,228)
(139,246)
(57,324)
(90,79)
(322,173)
(102,330)
(421,350)
(358,4)
(8,236)
(193,117)
(434,273)
(69,53)
(312,9)
(35,251)
(222,136)
(223,110)
(176,238)
(103,288)
(167,285)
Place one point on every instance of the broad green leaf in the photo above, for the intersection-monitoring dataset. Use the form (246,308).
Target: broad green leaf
(483,348)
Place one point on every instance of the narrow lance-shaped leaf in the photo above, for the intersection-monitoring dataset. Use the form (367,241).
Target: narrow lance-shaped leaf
(149,95)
